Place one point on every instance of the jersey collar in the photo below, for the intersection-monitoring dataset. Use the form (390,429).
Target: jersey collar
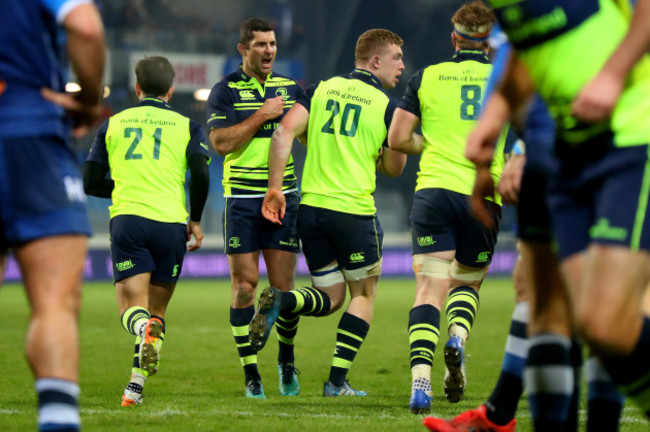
(245,77)
(476,55)
(367,77)
(155,102)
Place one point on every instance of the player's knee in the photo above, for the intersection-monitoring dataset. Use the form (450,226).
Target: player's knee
(360,274)
(461,275)
(244,293)
(327,276)
(599,328)
(426,265)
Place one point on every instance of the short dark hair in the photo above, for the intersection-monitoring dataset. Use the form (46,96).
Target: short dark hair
(154,75)
(372,41)
(252,25)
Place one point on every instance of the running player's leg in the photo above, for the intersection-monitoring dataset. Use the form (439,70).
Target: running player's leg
(433,242)
(242,237)
(244,275)
(52,273)
(280,249)
(281,268)
(358,241)
(550,372)
(610,318)
(132,301)
(605,259)
(44,219)
(474,251)
(327,293)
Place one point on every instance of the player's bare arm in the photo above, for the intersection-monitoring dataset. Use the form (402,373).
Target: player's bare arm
(86,47)
(230,139)
(597,99)
(510,181)
(402,136)
(390,162)
(293,124)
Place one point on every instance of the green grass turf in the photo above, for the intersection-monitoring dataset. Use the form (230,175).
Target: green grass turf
(200,386)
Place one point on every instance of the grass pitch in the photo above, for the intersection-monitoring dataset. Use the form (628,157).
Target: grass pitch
(200,385)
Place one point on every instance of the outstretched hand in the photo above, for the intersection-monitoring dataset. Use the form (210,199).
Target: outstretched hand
(83,115)
(274,205)
(194,229)
(483,188)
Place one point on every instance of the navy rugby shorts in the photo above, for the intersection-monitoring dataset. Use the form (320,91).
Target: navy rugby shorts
(41,191)
(441,220)
(602,197)
(245,230)
(141,245)
(354,241)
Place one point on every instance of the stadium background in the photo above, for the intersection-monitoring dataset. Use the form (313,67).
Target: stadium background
(316,40)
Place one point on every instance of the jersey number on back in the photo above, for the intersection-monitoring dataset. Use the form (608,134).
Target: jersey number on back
(157,139)
(471,106)
(345,129)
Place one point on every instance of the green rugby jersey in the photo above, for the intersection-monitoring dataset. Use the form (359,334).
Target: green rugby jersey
(447,98)
(146,148)
(564,43)
(233,100)
(349,116)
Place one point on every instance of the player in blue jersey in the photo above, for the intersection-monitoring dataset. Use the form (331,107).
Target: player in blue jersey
(42,205)
(243,111)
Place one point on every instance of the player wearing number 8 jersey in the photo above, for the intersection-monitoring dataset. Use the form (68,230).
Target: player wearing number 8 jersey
(347,119)
(451,250)
(148,149)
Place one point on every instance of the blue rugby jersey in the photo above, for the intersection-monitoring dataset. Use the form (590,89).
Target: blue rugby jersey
(33,56)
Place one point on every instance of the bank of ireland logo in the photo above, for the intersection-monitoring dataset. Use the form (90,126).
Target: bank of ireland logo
(426,241)
(357,257)
(483,257)
(234,242)
(282,91)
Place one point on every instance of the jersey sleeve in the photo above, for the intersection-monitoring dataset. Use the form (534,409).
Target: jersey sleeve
(98,152)
(304,98)
(198,142)
(411,101)
(61,8)
(221,110)
(388,116)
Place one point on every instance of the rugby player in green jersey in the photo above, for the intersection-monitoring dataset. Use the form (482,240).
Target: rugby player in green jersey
(243,111)
(599,196)
(451,250)
(346,119)
(148,149)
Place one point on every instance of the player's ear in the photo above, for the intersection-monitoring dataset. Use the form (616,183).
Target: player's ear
(170,92)
(376,61)
(138,90)
(241,48)
(453,40)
